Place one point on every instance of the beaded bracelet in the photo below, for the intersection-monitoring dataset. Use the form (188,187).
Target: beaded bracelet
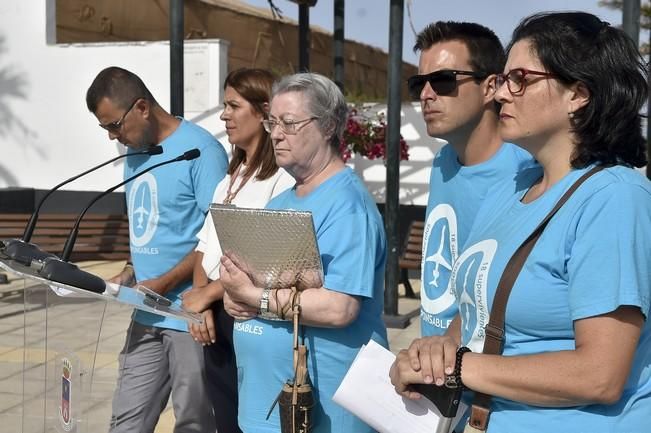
(454,380)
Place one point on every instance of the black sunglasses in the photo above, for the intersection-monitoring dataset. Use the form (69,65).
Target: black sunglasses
(443,82)
(117,125)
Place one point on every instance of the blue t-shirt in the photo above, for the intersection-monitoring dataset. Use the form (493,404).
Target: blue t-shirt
(592,258)
(167,207)
(352,244)
(456,193)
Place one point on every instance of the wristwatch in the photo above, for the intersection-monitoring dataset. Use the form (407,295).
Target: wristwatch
(263,308)
(264,302)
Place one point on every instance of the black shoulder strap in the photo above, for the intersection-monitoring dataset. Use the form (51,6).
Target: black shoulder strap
(495,328)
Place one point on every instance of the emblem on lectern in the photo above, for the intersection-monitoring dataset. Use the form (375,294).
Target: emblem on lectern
(65,410)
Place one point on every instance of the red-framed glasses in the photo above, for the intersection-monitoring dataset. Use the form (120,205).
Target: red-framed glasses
(516,81)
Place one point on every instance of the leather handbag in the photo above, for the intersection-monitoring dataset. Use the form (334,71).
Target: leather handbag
(493,343)
(296,398)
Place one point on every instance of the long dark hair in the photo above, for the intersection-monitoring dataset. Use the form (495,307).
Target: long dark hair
(254,85)
(579,47)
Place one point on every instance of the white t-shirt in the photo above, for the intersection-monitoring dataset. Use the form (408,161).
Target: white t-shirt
(254,194)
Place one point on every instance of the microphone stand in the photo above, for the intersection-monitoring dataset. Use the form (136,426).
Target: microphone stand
(21,250)
(62,271)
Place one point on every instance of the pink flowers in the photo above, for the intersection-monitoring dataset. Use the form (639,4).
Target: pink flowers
(366,136)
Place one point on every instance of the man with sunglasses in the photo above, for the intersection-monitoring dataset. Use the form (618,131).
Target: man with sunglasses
(166,208)
(456,86)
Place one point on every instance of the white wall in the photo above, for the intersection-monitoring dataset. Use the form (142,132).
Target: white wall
(414,173)
(47,134)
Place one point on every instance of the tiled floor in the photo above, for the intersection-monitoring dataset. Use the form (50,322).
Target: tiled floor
(31,373)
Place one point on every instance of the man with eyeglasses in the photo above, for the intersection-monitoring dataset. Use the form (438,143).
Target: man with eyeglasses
(166,208)
(456,86)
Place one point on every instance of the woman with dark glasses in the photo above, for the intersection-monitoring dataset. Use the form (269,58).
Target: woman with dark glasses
(576,353)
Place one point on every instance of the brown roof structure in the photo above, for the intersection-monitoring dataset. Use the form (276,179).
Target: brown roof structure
(257,39)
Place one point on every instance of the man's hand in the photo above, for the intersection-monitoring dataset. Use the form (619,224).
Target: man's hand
(155,285)
(179,274)
(125,278)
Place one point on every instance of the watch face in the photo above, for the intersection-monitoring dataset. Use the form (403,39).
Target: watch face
(264,301)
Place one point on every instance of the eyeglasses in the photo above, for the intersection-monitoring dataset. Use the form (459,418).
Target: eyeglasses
(443,82)
(515,79)
(117,125)
(287,126)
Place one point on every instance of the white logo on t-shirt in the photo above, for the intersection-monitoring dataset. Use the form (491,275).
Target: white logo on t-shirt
(435,296)
(248,328)
(472,292)
(143,210)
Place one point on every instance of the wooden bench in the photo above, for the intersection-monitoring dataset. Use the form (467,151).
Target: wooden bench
(101,237)
(412,255)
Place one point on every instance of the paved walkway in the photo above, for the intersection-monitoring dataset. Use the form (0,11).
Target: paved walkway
(31,373)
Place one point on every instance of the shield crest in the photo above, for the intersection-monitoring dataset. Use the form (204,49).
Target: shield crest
(65,409)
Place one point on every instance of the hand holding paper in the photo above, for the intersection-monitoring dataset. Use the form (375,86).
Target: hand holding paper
(367,392)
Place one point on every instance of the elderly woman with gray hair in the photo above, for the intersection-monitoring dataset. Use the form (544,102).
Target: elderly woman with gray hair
(306,122)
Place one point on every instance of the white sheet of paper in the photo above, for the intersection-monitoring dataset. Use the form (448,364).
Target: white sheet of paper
(367,392)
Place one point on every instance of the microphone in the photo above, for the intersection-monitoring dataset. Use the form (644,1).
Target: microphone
(61,270)
(20,250)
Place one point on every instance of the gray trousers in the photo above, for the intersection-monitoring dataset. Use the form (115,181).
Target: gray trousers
(154,362)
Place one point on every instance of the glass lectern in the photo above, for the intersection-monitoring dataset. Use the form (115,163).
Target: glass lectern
(59,348)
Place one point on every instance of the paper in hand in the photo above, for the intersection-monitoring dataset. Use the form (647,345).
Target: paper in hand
(367,392)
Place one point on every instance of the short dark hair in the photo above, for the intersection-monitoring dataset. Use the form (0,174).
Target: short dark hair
(579,47)
(254,85)
(122,87)
(485,49)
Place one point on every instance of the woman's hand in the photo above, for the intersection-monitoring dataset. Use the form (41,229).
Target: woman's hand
(427,360)
(205,333)
(403,375)
(238,310)
(433,357)
(237,283)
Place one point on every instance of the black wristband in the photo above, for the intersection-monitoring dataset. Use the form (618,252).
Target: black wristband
(454,380)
